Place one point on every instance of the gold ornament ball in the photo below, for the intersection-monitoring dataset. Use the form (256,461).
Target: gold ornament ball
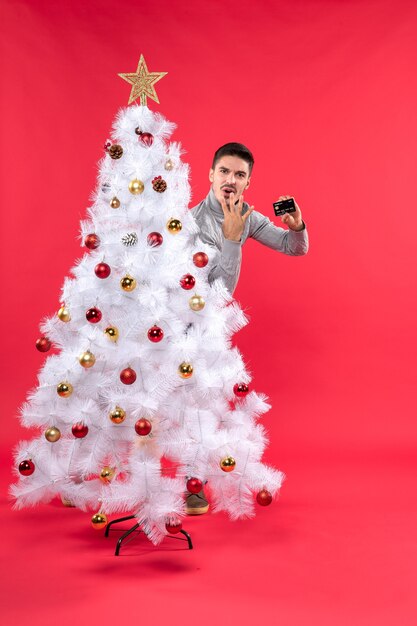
(169,165)
(197,303)
(52,434)
(106,474)
(228,464)
(128,283)
(64,314)
(185,370)
(112,333)
(118,415)
(98,521)
(115,203)
(174,226)
(136,186)
(87,359)
(64,390)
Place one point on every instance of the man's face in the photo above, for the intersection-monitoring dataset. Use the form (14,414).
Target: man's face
(230,175)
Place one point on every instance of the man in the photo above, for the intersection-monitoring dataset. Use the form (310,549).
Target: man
(226,221)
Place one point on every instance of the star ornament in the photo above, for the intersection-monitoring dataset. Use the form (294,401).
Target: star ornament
(143,83)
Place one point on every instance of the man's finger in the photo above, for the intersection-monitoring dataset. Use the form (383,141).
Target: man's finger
(237,206)
(240,205)
(248,212)
(224,206)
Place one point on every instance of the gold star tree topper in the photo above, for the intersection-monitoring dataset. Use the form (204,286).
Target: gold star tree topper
(143,82)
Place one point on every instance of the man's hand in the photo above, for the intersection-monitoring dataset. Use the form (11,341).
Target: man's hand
(234,221)
(292,220)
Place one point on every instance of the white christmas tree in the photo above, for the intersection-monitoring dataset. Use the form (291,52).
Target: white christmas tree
(144,372)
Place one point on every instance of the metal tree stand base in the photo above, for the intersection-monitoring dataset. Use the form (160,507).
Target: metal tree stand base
(136,526)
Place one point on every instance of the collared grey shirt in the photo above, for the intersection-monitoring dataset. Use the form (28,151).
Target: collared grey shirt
(227,257)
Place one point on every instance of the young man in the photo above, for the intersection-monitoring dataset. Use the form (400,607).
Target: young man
(226,221)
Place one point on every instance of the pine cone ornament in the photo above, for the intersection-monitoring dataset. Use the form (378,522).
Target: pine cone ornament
(130,239)
(159,184)
(115,151)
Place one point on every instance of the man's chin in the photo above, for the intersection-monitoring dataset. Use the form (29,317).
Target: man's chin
(220,195)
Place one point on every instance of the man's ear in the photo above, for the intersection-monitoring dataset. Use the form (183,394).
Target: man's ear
(211,175)
(248,183)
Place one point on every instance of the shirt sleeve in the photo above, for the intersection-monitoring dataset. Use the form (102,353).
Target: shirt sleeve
(294,243)
(226,264)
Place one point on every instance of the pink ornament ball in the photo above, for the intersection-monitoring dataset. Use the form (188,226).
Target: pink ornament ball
(155,239)
(200,259)
(241,389)
(26,467)
(263,497)
(43,344)
(155,334)
(128,376)
(187,281)
(102,270)
(173,527)
(93,315)
(79,430)
(194,485)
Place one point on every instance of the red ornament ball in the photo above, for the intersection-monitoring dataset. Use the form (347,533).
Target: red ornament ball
(241,389)
(263,497)
(146,139)
(194,485)
(187,281)
(128,376)
(143,427)
(79,430)
(43,344)
(173,527)
(155,334)
(26,467)
(155,239)
(102,270)
(107,145)
(200,259)
(93,315)
(92,241)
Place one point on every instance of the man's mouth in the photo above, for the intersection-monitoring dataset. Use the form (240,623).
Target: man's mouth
(229,190)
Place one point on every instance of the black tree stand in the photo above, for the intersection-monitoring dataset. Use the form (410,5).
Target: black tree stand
(136,526)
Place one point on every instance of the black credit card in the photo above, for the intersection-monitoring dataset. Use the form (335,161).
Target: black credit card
(284,206)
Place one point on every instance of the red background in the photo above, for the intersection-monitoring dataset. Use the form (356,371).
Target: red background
(324,93)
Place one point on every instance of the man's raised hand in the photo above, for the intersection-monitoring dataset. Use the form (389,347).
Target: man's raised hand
(294,221)
(234,221)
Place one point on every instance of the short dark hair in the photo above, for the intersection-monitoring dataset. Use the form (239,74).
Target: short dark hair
(234,149)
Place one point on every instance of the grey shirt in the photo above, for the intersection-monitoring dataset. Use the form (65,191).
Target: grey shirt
(227,254)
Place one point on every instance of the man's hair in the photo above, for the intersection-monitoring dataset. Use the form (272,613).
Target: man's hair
(234,149)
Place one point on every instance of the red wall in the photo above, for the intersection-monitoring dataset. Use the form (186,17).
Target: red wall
(324,93)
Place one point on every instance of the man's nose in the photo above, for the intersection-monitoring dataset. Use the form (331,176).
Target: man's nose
(231,178)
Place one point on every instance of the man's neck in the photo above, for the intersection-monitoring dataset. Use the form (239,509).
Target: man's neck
(213,203)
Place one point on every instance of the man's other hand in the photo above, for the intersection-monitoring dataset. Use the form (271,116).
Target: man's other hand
(234,221)
(294,220)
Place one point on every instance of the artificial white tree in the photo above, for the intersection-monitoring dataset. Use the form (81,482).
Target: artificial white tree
(144,369)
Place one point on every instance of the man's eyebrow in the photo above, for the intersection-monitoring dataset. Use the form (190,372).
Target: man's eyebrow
(223,167)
